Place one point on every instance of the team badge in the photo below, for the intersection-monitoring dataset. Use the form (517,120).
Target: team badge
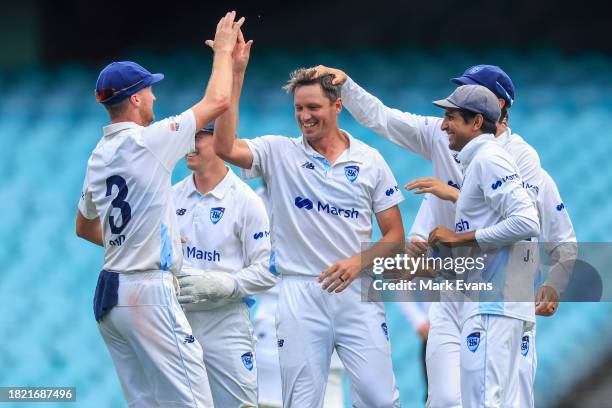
(216,214)
(473,341)
(525,346)
(351,173)
(247,360)
(385,330)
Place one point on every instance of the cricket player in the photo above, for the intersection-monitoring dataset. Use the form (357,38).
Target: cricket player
(268,368)
(495,215)
(226,228)
(127,207)
(324,188)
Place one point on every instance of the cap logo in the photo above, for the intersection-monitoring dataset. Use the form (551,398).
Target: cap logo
(475,69)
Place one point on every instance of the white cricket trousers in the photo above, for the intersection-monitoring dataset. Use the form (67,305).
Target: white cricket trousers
(158,361)
(226,335)
(311,322)
(443,355)
(268,368)
(490,360)
(527,367)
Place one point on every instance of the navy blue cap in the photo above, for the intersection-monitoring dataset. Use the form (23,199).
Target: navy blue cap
(474,98)
(120,80)
(209,128)
(490,76)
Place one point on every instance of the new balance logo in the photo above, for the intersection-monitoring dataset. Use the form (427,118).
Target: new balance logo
(391,191)
(303,203)
(307,165)
(281,342)
(189,339)
(261,234)
(181,211)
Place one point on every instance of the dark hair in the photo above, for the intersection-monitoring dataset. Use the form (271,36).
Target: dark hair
(504,112)
(487,125)
(308,76)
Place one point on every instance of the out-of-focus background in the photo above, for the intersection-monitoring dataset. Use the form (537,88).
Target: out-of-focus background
(558,53)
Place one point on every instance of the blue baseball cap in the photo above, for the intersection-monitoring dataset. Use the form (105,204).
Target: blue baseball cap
(490,76)
(474,98)
(119,80)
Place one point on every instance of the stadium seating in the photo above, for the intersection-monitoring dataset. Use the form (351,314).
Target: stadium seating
(50,122)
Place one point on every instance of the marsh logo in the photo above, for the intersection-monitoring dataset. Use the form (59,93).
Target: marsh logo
(453,184)
(261,234)
(391,191)
(181,211)
(303,203)
(525,346)
(472,341)
(326,208)
(462,226)
(351,173)
(308,165)
(502,180)
(528,186)
(560,207)
(216,214)
(247,360)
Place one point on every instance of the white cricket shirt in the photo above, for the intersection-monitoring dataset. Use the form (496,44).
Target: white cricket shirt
(494,203)
(226,229)
(128,185)
(420,134)
(320,213)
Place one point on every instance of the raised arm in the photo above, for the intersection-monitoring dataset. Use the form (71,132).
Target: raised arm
(226,145)
(413,132)
(216,99)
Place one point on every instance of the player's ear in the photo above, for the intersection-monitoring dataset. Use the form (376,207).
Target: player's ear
(338,105)
(478,121)
(135,99)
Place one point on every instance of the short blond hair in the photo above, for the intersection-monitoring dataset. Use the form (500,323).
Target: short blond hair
(308,76)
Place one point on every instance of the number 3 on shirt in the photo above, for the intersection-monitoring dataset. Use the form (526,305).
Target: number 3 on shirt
(119,202)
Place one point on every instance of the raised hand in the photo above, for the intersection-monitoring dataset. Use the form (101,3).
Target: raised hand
(241,54)
(226,34)
(339,76)
(434,186)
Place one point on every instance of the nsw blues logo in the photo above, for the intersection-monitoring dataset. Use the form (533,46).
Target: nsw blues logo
(247,360)
(473,341)
(351,173)
(385,330)
(525,346)
(216,214)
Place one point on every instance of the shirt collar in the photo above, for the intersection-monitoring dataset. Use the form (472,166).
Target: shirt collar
(468,152)
(118,127)
(504,138)
(220,189)
(355,152)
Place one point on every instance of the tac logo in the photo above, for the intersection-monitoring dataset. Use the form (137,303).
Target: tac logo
(181,211)
(452,184)
(525,346)
(351,173)
(261,234)
(175,126)
(308,165)
(455,158)
(560,207)
(462,225)
(216,214)
(473,341)
(247,360)
(385,330)
(391,191)
(303,203)
(281,342)
(189,339)
(502,180)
